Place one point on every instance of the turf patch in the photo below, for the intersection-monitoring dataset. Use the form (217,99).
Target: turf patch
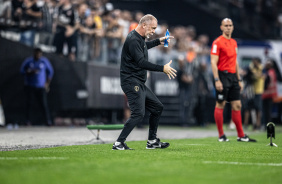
(185,161)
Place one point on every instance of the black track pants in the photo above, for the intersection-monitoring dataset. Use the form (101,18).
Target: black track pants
(140,98)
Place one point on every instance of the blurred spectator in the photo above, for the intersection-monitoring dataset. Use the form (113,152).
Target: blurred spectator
(203,90)
(164,54)
(86,46)
(38,73)
(247,95)
(125,20)
(67,23)
(184,82)
(99,31)
(48,10)
(137,16)
(114,35)
(96,14)
(191,54)
(270,91)
(29,15)
(202,49)
(257,85)
(85,36)
(5,9)
(83,12)
(17,10)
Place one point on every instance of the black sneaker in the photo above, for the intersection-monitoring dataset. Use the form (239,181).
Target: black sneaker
(157,144)
(223,138)
(121,146)
(245,139)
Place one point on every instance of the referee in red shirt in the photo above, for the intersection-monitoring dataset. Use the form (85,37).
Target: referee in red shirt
(227,80)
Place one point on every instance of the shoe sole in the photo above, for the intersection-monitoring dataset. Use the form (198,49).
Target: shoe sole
(159,147)
(249,140)
(118,149)
(122,149)
(150,148)
(221,140)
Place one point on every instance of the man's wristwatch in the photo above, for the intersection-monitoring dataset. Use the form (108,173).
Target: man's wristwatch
(240,80)
(216,79)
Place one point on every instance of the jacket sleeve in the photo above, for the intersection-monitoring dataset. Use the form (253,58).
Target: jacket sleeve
(137,54)
(49,69)
(24,66)
(153,43)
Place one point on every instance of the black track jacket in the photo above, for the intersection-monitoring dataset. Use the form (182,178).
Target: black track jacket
(134,59)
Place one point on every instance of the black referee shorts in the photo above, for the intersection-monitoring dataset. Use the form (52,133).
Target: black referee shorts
(231,88)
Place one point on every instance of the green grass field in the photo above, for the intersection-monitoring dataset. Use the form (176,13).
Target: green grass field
(185,161)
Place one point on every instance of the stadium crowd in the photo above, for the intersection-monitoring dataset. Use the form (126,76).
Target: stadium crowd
(93,30)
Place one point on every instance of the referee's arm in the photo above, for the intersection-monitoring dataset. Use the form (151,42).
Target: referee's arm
(214,61)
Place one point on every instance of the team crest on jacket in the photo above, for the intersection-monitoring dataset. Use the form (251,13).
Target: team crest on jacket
(136,88)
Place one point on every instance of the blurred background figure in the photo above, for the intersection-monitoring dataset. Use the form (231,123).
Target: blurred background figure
(38,73)
(5,9)
(114,35)
(66,21)
(255,84)
(46,33)
(137,16)
(184,82)
(270,91)
(29,15)
(203,91)
(86,34)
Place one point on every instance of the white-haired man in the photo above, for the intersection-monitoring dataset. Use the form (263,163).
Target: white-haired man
(133,75)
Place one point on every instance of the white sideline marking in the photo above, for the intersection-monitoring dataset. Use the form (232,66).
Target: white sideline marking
(34,158)
(242,163)
(194,144)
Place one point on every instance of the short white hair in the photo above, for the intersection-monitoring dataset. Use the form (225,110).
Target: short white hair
(147,18)
(225,20)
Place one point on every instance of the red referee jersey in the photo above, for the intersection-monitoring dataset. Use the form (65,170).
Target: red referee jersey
(226,49)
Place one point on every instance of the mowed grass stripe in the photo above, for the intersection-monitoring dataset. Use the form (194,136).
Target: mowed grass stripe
(243,163)
(182,162)
(34,158)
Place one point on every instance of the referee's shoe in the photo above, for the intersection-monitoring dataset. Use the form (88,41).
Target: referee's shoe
(223,138)
(153,144)
(245,139)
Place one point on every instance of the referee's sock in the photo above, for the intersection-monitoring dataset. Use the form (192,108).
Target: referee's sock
(236,117)
(218,116)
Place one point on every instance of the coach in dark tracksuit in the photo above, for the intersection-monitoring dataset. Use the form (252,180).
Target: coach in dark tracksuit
(133,75)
